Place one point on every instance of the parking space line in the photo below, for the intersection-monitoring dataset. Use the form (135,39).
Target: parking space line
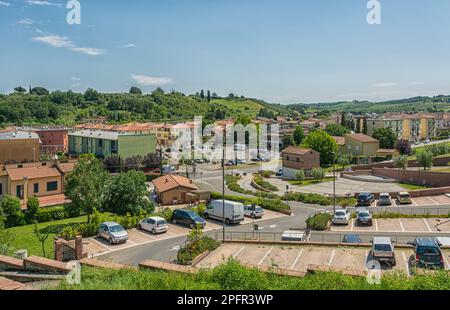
(297,258)
(413,202)
(401,225)
(331,258)
(445,260)
(435,202)
(265,256)
(239,252)
(428,226)
(132,242)
(406,264)
(143,234)
(376,224)
(98,242)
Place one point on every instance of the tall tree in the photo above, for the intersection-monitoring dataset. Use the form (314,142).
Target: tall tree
(336,130)
(135,90)
(202,94)
(20,90)
(386,137)
(364,129)
(425,159)
(323,143)
(85,185)
(288,140)
(298,135)
(39,91)
(208,96)
(358,125)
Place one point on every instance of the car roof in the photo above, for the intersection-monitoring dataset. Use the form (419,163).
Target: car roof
(426,241)
(403,193)
(382,240)
(157,218)
(110,224)
(384,194)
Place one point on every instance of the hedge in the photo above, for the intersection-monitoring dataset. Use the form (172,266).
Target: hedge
(319,221)
(264,184)
(269,204)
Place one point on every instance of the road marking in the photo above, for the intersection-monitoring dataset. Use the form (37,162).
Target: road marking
(239,252)
(132,242)
(296,259)
(144,234)
(98,242)
(433,200)
(413,202)
(401,225)
(376,224)
(331,258)
(406,264)
(265,256)
(445,260)
(428,226)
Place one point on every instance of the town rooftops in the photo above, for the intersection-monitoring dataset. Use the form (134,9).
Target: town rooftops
(96,134)
(339,140)
(171,181)
(297,150)
(361,138)
(36,172)
(66,167)
(18,135)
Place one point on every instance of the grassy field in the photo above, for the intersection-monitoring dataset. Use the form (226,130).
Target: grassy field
(25,238)
(232,275)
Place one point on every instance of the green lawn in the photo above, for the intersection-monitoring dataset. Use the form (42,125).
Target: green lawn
(25,238)
(310,182)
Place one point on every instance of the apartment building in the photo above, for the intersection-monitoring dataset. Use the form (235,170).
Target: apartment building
(53,139)
(411,127)
(297,158)
(361,145)
(19,146)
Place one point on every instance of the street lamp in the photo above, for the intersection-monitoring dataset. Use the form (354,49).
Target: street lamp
(334,182)
(201,179)
(223,190)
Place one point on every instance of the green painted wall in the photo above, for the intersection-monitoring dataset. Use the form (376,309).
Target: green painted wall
(136,145)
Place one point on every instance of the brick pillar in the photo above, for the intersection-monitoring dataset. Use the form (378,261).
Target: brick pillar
(58,249)
(78,247)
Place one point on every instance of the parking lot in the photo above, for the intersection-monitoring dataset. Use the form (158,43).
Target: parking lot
(403,225)
(96,246)
(297,258)
(420,201)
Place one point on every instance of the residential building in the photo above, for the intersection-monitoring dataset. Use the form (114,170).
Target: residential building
(43,180)
(174,190)
(19,146)
(53,139)
(411,127)
(106,143)
(442,120)
(297,158)
(361,146)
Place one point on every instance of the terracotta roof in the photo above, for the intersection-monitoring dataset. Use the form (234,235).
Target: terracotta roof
(362,137)
(31,173)
(66,167)
(170,181)
(387,151)
(339,140)
(297,150)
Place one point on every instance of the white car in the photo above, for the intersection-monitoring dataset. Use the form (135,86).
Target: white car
(341,217)
(256,212)
(155,225)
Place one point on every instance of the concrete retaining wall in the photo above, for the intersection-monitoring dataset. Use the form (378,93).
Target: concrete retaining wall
(427,178)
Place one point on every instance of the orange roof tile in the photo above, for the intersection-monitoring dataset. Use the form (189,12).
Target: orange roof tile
(362,137)
(17,174)
(170,181)
(297,150)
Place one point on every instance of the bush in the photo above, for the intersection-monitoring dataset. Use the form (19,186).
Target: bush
(231,182)
(266,173)
(319,221)
(32,208)
(50,214)
(11,207)
(264,184)
(300,175)
(199,209)
(71,211)
(196,244)
(318,174)
(166,214)
(309,198)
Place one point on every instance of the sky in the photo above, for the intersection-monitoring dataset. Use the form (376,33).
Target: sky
(282,51)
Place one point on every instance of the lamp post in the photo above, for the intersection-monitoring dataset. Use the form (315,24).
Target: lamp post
(334,182)
(223,190)
(201,179)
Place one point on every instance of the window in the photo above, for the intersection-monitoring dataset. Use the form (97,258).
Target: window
(298,159)
(36,188)
(52,186)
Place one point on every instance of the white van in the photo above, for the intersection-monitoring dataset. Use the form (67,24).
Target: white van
(234,211)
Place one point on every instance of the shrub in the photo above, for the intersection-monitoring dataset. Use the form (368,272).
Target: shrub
(50,214)
(309,198)
(165,213)
(196,244)
(231,182)
(266,173)
(199,209)
(264,184)
(11,207)
(32,208)
(319,221)
(318,174)
(300,175)
(71,210)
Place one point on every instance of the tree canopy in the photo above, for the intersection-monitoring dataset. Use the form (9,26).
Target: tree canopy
(323,143)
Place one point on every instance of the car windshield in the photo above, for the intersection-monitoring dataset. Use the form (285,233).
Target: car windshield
(193,215)
(404,196)
(428,251)
(116,228)
(340,213)
(384,197)
(352,238)
(382,247)
(259,209)
(364,214)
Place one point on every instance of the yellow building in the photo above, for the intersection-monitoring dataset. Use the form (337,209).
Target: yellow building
(19,146)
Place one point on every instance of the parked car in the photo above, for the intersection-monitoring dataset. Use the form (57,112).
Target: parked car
(364,218)
(199,161)
(351,238)
(280,172)
(241,162)
(365,199)
(187,218)
(385,199)
(427,253)
(113,232)
(341,217)
(404,198)
(253,211)
(427,141)
(155,225)
(292,235)
(234,211)
(383,250)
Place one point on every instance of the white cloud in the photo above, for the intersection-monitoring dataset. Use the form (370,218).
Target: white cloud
(127,45)
(385,84)
(88,51)
(150,80)
(43,3)
(65,42)
(26,21)
(5,3)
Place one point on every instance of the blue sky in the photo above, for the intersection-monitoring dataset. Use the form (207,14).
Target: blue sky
(279,50)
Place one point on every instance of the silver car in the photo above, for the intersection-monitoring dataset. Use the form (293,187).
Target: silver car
(385,199)
(256,212)
(113,232)
(155,225)
(341,217)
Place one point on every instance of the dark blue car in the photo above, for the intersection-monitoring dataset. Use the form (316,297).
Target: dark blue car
(428,253)
(188,218)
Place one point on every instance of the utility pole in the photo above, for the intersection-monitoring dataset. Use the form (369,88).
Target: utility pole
(223,188)
(334,182)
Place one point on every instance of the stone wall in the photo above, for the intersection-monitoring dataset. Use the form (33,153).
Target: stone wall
(426,178)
